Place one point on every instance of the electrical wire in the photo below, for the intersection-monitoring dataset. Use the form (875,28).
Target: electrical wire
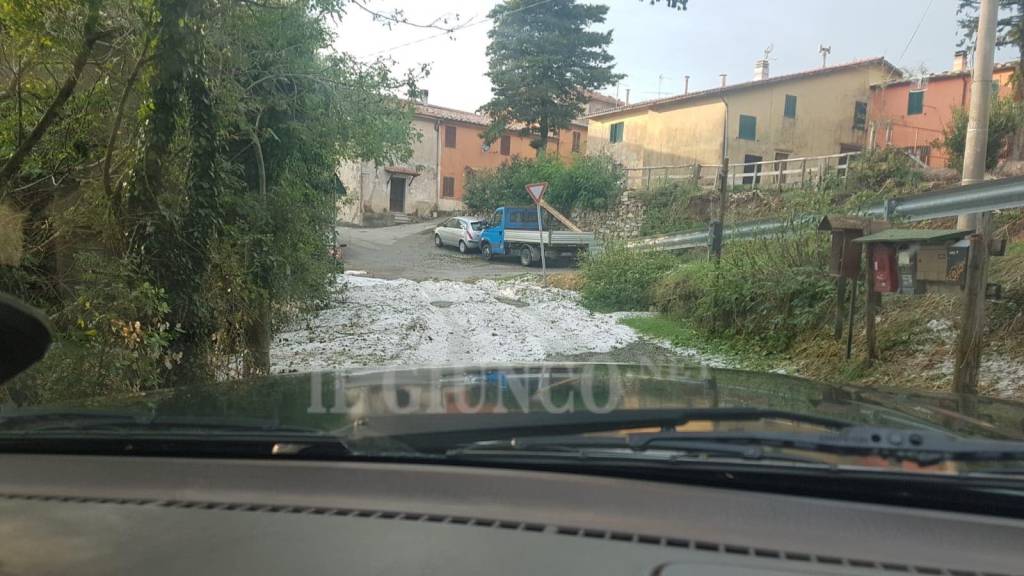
(469,24)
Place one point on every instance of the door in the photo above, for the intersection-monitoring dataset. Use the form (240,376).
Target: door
(397,194)
(453,228)
(781,166)
(751,171)
(494,234)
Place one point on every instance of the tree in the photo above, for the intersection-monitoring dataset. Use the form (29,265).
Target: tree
(1009,32)
(544,62)
(1004,120)
(674,4)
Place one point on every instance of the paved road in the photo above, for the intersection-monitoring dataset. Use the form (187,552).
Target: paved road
(408,251)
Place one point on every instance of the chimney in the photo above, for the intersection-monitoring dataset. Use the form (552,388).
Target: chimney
(761,70)
(627,96)
(960,61)
(686,84)
(723,79)
(422,96)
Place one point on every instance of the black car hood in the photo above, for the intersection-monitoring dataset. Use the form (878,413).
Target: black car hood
(343,400)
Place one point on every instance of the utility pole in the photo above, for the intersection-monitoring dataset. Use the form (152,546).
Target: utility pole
(969,342)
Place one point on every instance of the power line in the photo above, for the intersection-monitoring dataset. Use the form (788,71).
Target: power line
(911,39)
(469,24)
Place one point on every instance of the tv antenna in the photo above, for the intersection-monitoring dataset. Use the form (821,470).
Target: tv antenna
(824,51)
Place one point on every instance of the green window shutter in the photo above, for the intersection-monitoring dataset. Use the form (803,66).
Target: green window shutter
(790,110)
(748,127)
(617,132)
(915,102)
(860,115)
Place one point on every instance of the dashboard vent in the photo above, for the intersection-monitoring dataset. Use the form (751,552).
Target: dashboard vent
(573,531)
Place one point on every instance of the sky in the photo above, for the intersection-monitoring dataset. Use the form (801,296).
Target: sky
(655,46)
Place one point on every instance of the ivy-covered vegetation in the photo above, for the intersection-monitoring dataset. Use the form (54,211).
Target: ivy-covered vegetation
(1005,119)
(172,165)
(587,182)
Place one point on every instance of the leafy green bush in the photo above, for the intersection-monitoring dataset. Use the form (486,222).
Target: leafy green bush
(620,278)
(592,182)
(1004,119)
(113,338)
(673,207)
(767,290)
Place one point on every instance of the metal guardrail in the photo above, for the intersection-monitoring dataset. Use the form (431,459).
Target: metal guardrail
(982,197)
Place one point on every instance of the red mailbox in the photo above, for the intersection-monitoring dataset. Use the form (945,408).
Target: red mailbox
(883,266)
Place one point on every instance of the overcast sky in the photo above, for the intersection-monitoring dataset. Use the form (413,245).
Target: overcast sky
(710,38)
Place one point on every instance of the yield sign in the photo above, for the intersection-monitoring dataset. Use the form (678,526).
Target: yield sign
(536,191)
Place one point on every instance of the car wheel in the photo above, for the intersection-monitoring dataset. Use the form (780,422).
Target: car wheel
(462,247)
(437,241)
(525,256)
(485,251)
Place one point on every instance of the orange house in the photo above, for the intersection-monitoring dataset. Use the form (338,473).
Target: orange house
(461,149)
(912,113)
(433,180)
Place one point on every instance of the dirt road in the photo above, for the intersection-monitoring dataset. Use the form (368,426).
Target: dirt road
(408,251)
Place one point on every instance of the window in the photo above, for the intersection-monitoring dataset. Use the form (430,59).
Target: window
(748,127)
(860,115)
(449,136)
(915,102)
(506,145)
(448,187)
(617,132)
(790,109)
(575,141)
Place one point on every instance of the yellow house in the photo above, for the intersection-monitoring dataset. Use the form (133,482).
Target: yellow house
(812,113)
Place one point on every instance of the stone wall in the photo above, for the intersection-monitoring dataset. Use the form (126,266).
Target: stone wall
(622,221)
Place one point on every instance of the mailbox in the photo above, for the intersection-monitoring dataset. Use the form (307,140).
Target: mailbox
(956,261)
(884,269)
(846,252)
(906,260)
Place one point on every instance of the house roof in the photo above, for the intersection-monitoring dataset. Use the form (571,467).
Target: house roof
(1003,67)
(453,115)
(681,98)
(898,235)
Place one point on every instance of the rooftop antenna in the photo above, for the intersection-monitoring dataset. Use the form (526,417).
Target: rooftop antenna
(824,51)
(768,50)
(660,78)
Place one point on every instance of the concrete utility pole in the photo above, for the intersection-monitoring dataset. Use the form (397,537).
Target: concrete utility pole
(969,343)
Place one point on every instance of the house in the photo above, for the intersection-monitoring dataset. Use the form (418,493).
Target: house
(433,180)
(911,113)
(811,113)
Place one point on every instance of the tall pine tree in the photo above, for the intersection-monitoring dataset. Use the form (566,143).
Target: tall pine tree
(544,63)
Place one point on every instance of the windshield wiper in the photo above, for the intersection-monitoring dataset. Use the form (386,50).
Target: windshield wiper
(920,446)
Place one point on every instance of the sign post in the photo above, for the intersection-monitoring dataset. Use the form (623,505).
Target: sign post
(536,192)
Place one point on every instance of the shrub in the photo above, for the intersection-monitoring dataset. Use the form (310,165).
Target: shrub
(674,207)
(113,338)
(620,278)
(593,182)
(767,290)
(1004,119)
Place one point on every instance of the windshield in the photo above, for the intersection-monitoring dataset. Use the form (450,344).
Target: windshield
(456,229)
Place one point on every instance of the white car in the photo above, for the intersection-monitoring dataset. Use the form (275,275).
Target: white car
(460,231)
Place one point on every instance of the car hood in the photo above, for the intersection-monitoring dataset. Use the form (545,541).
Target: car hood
(332,401)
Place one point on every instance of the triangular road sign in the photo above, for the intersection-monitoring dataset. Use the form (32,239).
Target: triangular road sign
(536,191)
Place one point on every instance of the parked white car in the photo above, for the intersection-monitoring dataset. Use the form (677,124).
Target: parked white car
(461,231)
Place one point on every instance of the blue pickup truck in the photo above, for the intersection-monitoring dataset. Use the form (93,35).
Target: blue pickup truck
(513,231)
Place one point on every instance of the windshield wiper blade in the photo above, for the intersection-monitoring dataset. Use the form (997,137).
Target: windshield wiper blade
(921,446)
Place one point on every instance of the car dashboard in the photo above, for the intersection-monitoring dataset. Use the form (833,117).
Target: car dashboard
(63,514)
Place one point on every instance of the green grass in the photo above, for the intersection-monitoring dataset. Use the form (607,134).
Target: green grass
(684,335)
